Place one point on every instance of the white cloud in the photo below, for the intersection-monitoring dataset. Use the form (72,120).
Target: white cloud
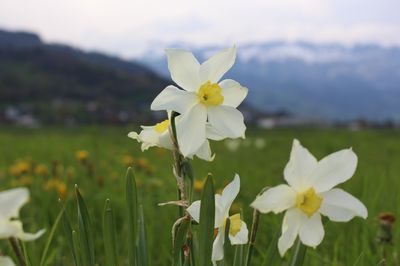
(127,26)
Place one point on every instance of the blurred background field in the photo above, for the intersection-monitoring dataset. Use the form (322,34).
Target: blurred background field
(51,160)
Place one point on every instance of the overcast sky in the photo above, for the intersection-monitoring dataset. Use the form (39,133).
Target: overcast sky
(126,27)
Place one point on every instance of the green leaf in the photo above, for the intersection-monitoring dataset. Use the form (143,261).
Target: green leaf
(272,255)
(76,247)
(238,259)
(68,234)
(109,235)
(26,255)
(142,256)
(206,226)
(132,205)
(299,254)
(85,231)
(180,240)
(50,238)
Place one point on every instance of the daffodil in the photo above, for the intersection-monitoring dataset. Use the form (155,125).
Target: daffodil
(238,232)
(310,193)
(6,261)
(160,136)
(11,202)
(203,97)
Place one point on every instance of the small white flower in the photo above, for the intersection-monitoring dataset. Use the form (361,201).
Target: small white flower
(310,193)
(203,98)
(159,136)
(238,232)
(11,201)
(6,261)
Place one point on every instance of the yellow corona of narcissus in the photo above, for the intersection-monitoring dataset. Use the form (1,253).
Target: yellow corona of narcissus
(309,194)
(238,232)
(203,99)
(11,201)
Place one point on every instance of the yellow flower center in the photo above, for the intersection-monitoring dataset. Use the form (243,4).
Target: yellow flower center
(235,224)
(162,126)
(210,94)
(308,201)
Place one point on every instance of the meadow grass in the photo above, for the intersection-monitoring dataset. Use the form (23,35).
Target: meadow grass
(376,183)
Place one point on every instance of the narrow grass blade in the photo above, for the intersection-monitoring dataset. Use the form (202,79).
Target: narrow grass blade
(206,226)
(180,240)
(109,235)
(227,243)
(132,206)
(142,244)
(76,248)
(299,254)
(272,255)
(85,231)
(50,238)
(26,255)
(238,259)
(68,234)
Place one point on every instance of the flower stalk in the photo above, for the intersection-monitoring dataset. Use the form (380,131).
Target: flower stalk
(253,234)
(299,254)
(17,250)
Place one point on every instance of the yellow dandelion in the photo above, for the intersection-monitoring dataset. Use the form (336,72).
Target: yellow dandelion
(198,185)
(82,156)
(40,169)
(128,160)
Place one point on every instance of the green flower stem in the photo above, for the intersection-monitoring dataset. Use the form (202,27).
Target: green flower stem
(253,233)
(299,254)
(178,158)
(17,250)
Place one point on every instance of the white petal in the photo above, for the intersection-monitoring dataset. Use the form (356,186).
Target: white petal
(204,152)
(233,93)
(227,121)
(15,229)
(334,169)
(191,130)
(165,140)
(218,246)
(194,210)
(276,199)
(311,230)
(242,237)
(216,66)
(300,166)
(6,261)
(184,69)
(133,135)
(172,98)
(290,229)
(221,212)
(212,133)
(11,201)
(230,192)
(341,206)
(148,137)
(7,229)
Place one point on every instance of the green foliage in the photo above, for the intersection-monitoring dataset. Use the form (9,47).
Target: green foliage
(207,220)
(375,183)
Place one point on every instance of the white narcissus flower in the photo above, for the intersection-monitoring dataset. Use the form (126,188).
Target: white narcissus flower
(238,232)
(204,97)
(6,261)
(309,194)
(159,136)
(11,201)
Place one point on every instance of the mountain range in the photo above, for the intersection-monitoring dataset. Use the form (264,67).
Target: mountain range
(324,81)
(58,83)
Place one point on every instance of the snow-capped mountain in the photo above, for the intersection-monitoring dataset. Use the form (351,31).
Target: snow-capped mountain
(328,81)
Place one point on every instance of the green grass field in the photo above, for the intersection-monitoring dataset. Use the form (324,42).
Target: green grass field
(376,183)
